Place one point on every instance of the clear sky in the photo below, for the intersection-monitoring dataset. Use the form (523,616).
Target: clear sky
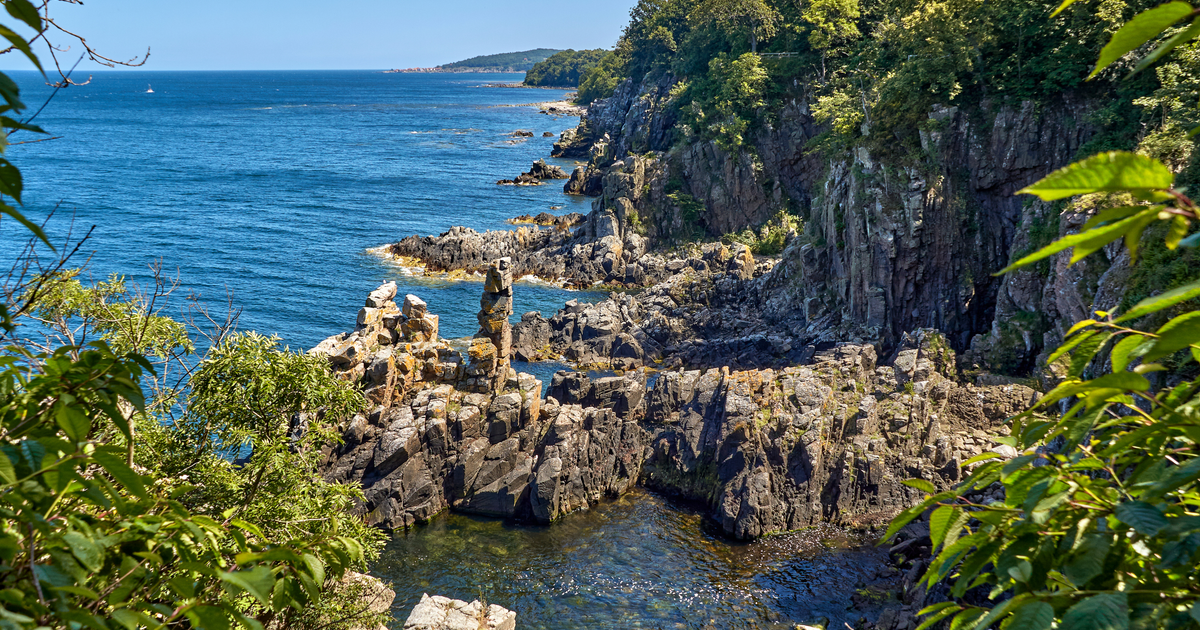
(307,34)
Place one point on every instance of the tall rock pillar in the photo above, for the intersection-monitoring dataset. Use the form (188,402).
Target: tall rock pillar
(492,345)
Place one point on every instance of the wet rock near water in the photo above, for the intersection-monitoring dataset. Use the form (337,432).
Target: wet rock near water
(545,219)
(536,174)
(443,613)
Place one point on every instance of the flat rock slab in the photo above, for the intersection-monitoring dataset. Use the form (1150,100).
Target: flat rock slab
(443,613)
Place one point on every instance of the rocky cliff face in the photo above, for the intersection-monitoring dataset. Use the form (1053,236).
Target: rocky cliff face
(765,450)
(890,244)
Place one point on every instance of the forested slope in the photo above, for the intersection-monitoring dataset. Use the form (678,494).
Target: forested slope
(895,133)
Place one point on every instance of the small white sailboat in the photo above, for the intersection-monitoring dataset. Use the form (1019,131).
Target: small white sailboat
(149,89)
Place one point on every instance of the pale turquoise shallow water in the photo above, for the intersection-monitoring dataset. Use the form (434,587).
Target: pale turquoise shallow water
(637,562)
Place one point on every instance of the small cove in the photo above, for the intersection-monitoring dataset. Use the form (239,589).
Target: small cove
(273,186)
(639,561)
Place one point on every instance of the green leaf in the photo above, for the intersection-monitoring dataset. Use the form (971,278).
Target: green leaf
(902,519)
(1085,352)
(1111,215)
(1123,352)
(209,617)
(1088,560)
(1175,335)
(1070,345)
(938,615)
(1031,616)
(940,522)
(982,457)
(20,44)
(1161,301)
(89,555)
(920,484)
(25,11)
(1115,171)
(1086,242)
(1106,611)
(257,582)
(1062,7)
(1178,229)
(115,466)
(1141,29)
(7,473)
(1120,380)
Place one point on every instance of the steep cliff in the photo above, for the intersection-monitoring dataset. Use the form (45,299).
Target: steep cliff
(893,242)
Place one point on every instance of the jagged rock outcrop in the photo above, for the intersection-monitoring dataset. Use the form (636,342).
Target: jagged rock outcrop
(443,613)
(765,450)
(891,242)
(478,438)
(832,441)
(671,319)
(545,219)
(534,177)
(599,251)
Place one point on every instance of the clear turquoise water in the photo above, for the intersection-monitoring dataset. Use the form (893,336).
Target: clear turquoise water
(637,562)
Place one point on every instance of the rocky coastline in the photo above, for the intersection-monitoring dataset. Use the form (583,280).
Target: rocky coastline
(775,392)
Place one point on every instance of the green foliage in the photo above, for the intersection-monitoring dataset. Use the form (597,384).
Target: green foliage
(757,17)
(89,540)
(1099,526)
(727,99)
(108,518)
(563,69)
(770,237)
(506,62)
(834,22)
(599,80)
(107,309)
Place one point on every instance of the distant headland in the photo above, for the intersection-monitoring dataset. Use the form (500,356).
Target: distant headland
(503,62)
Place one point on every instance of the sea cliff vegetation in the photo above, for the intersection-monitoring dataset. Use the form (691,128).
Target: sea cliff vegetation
(872,69)
(563,69)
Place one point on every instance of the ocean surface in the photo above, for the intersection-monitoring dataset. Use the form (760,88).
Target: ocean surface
(270,187)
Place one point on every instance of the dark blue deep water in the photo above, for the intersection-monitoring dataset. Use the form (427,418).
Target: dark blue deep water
(272,186)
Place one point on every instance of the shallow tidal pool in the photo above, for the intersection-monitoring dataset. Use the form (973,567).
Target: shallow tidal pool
(636,562)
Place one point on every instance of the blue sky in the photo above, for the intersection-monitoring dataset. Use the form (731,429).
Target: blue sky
(307,34)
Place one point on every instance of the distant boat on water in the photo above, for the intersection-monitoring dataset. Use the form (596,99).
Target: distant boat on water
(149,89)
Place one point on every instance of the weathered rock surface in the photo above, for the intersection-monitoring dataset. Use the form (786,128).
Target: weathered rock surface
(886,248)
(443,613)
(479,438)
(545,219)
(369,598)
(540,171)
(765,450)
(775,450)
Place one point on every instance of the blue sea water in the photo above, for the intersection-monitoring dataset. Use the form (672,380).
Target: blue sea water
(272,185)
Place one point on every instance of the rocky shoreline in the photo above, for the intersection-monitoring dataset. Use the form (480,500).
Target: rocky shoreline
(775,392)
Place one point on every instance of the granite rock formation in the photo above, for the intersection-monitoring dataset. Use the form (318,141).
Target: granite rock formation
(765,450)
(443,613)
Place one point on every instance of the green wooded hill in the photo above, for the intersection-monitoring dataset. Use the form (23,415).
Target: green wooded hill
(503,62)
(563,69)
